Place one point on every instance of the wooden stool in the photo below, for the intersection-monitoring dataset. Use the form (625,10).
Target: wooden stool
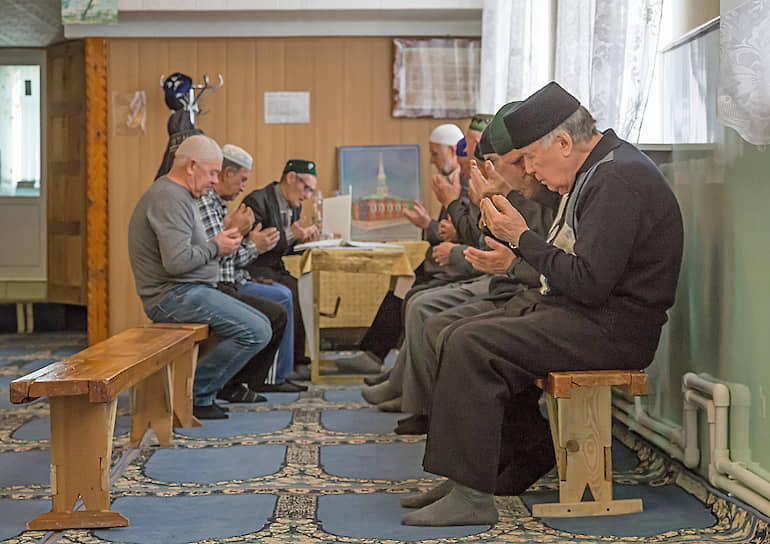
(580,414)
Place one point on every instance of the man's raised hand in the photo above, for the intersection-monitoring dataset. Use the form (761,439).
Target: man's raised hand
(503,220)
(228,241)
(497,260)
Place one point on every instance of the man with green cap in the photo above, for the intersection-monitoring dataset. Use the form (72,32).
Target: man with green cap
(278,205)
(608,273)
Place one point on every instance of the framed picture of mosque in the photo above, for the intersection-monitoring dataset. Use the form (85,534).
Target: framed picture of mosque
(383,181)
(436,77)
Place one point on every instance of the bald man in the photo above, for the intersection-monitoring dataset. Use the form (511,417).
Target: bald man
(175,266)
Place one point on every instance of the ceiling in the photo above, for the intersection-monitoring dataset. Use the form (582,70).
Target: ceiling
(30,23)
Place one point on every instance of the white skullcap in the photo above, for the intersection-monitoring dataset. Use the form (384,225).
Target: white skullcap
(200,148)
(238,155)
(446,134)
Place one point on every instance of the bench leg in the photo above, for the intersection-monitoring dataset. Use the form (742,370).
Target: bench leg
(184,374)
(81,450)
(581,427)
(151,406)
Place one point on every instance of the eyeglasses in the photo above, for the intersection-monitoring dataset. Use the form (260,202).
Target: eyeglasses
(305,187)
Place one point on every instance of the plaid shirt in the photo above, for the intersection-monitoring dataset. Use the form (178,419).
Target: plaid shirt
(213,210)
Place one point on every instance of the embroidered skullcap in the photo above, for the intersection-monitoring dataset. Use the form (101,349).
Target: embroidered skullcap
(480,121)
(462,148)
(200,148)
(299,166)
(239,156)
(499,138)
(446,134)
(539,114)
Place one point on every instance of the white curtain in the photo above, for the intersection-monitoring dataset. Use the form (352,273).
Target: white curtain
(743,95)
(603,51)
(516,50)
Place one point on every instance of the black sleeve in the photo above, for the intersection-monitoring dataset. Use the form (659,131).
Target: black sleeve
(465,218)
(261,215)
(431,233)
(608,217)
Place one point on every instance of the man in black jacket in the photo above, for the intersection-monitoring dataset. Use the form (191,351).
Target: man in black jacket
(609,269)
(279,205)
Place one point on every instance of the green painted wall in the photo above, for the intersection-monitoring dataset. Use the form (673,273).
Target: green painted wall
(720,324)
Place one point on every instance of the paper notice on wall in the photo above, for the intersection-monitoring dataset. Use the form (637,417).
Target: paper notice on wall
(287,107)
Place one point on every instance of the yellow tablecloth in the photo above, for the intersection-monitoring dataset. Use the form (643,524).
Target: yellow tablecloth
(360,278)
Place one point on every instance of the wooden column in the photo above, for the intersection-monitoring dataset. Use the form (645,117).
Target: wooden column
(96,153)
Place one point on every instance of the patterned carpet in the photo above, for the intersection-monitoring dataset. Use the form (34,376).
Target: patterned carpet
(318,467)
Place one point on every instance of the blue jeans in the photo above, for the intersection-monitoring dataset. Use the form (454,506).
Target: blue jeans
(242,332)
(283,367)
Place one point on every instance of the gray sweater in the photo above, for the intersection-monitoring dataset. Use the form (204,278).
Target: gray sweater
(167,243)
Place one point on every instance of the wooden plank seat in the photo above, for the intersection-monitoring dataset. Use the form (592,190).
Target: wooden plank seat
(83,391)
(580,413)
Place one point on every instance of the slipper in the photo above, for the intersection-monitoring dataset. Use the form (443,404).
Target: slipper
(239,392)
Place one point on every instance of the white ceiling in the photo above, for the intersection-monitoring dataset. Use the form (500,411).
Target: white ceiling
(30,23)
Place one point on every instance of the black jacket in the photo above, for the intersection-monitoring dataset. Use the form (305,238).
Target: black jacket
(264,203)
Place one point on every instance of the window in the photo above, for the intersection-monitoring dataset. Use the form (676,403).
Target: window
(20,142)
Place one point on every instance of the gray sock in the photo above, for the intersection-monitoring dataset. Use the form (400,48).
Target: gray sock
(418,500)
(380,393)
(461,506)
(392,405)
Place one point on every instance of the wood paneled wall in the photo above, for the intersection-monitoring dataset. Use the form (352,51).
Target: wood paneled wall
(349,80)
(66,179)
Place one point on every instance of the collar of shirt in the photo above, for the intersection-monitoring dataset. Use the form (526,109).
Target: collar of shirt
(608,142)
(283,204)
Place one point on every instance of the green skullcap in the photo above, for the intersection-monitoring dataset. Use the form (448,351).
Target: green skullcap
(480,121)
(499,137)
(300,166)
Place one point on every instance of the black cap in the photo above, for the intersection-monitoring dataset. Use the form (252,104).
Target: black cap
(539,114)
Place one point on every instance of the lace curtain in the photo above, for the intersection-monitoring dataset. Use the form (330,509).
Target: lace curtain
(516,51)
(743,96)
(603,51)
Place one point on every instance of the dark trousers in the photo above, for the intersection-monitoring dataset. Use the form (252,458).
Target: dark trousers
(287,280)
(255,371)
(387,327)
(485,364)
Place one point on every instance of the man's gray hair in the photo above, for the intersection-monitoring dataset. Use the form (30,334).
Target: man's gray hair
(581,127)
(234,166)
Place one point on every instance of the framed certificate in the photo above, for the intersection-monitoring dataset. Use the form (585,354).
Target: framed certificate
(436,77)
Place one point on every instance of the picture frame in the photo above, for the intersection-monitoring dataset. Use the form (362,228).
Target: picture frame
(383,180)
(436,77)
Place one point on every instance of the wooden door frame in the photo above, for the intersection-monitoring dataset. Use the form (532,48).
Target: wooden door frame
(96,158)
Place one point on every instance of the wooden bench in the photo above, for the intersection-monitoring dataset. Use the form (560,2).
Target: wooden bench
(580,414)
(154,363)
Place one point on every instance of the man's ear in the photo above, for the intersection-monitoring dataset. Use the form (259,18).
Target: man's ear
(565,143)
(291,176)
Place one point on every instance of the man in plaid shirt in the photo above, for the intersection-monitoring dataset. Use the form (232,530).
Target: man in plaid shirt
(274,300)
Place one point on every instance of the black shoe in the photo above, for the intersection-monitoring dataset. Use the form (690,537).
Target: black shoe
(379,378)
(212,411)
(239,392)
(221,406)
(284,387)
(416,424)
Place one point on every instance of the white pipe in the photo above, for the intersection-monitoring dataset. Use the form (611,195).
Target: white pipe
(680,443)
(700,392)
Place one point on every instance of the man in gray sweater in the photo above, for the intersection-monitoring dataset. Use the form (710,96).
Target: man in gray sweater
(175,268)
